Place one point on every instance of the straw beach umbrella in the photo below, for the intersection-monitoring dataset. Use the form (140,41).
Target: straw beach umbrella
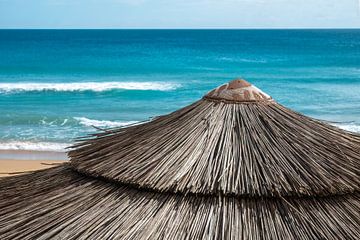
(233,165)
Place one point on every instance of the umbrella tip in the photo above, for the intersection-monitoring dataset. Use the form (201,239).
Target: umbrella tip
(238,83)
(238,90)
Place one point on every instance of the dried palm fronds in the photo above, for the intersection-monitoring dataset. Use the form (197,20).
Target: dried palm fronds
(71,206)
(234,165)
(259,149)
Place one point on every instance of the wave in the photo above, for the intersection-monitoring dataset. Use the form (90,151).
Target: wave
(34,146)
(103,123)
(351,127)
(87,86)
(244,60)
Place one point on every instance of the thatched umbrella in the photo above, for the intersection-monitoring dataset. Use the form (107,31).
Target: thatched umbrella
(233,165)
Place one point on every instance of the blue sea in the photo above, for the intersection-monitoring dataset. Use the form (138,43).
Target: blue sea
(55,85)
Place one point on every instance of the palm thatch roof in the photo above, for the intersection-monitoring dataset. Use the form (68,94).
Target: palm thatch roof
(234,165)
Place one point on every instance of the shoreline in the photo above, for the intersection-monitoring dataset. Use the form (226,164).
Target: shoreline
(14,162)
(32,155)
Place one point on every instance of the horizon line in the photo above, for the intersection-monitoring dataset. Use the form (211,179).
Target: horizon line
(292,28)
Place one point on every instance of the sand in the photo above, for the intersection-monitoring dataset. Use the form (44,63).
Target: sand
(14,167)
(13,162)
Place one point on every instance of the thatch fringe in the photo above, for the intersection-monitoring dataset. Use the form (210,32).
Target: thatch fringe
(62,204)
(213,147)
(234,165)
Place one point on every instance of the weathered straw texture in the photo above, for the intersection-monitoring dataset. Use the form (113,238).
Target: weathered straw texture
(257,149)
(234,165)
(60,203)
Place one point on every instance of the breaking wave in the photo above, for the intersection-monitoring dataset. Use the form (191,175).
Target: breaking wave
(34,146)
(103,123)
(87,86)
(351,127)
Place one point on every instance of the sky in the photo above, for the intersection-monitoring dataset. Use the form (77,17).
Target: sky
(151,14)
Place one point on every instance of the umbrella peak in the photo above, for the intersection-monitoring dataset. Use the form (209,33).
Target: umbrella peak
(238,90)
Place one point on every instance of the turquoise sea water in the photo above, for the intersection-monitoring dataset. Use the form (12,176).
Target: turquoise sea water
(56,84)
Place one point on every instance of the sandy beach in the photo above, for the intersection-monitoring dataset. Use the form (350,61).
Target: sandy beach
(13,162)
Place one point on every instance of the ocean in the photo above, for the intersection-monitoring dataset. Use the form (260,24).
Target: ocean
(55,85)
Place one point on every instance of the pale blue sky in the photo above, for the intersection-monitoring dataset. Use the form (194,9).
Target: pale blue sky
(179,13)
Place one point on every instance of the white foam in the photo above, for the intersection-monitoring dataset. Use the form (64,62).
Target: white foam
(34,146)
(86,86)
(102,123)
(352,127)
